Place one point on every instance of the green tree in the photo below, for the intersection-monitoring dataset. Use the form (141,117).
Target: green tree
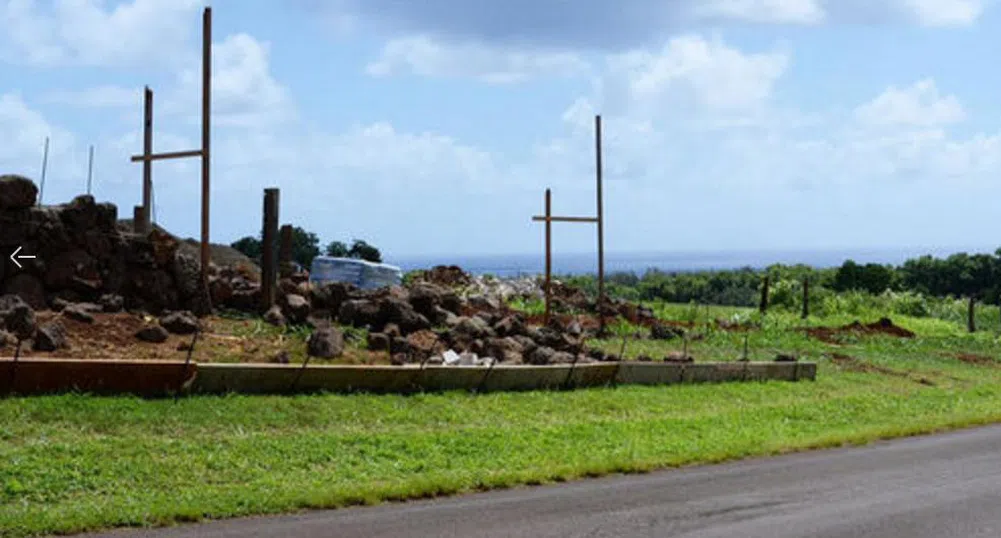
(249,246)
(337,249)
(305,246)
(361,249)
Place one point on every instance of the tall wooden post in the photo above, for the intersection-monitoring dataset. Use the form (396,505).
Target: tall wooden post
(144,226)
(206,136)
(269,263)
(549,253)
(285,252)
(601,227)
(806,297)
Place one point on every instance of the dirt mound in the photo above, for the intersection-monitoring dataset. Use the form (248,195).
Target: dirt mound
(835,335)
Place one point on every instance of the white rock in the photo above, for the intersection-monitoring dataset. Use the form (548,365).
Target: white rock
(450,357)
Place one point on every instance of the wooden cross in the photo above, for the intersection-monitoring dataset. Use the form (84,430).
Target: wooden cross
(549,219)
(147,157)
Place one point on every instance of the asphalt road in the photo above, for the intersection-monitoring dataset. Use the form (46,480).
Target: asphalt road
(930,487)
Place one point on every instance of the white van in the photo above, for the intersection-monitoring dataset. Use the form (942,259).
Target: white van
(363,274)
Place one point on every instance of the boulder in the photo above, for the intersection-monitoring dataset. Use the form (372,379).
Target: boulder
(330,295)
(398,311)
(378,341)
(80,312)
(187,272)
(326,343)
(422,344)
(17,192)
(29,288)
(473,327)
(541,356)
(17,317)
(296,308)
(220,289)
(359,313)
(182,322)
(154,334)
(111,303)
(506,350)
(509,325)
(274,316)
(50,337)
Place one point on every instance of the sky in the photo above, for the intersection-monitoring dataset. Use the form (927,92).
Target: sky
(434,127)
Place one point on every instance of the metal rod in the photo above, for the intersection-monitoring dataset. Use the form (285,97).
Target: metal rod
(163,156)
(147,156)
(549,253)
(90,169)
(206,129)
(543,218)
(601,226)
(45,165)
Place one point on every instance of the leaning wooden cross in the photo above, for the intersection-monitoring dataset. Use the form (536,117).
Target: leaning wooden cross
(549,219)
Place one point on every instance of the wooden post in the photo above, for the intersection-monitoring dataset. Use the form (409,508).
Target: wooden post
(269,233)
(549,253)
(206,136)
(285,252)
(806,297)
(971,322)
(601,227)
(763,307)
(147,163)
(138,217)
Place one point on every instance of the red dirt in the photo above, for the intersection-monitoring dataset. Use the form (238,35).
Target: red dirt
(834,335)
(853,364)
(976,360)
(112,337)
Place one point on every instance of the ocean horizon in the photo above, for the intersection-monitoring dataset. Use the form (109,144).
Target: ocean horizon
(515,265)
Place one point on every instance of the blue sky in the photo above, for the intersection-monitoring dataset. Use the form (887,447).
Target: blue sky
(433,127)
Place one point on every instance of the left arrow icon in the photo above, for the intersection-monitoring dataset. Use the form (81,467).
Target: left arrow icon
(15,256)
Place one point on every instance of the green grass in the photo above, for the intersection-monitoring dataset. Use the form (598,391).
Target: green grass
(73,463)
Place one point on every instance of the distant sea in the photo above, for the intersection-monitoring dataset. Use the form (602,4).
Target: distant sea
(514,265)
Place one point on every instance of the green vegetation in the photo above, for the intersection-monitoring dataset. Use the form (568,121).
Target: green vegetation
(71,463)
(306,246)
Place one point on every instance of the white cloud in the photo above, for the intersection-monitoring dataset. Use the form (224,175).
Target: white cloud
(424,56)
(945,12)
(765,11)
(244,92)
(711,73)
(86,32)
(24,130)
(97,97)
(917,105)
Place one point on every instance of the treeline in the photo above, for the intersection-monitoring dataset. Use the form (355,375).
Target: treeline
(306,246)
(958,275)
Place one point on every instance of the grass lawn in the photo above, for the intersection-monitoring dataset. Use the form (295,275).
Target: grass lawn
(73,463)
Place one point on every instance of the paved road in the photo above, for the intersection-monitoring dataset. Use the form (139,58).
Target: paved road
(931,487)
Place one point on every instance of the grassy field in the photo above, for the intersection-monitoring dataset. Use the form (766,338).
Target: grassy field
(72,463)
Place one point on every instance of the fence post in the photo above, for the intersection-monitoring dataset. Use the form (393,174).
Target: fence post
(269,262)
(285,252)
(806,297)
(971,323)
(764,295)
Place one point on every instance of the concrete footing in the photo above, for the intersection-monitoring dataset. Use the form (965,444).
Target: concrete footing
(149,378)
